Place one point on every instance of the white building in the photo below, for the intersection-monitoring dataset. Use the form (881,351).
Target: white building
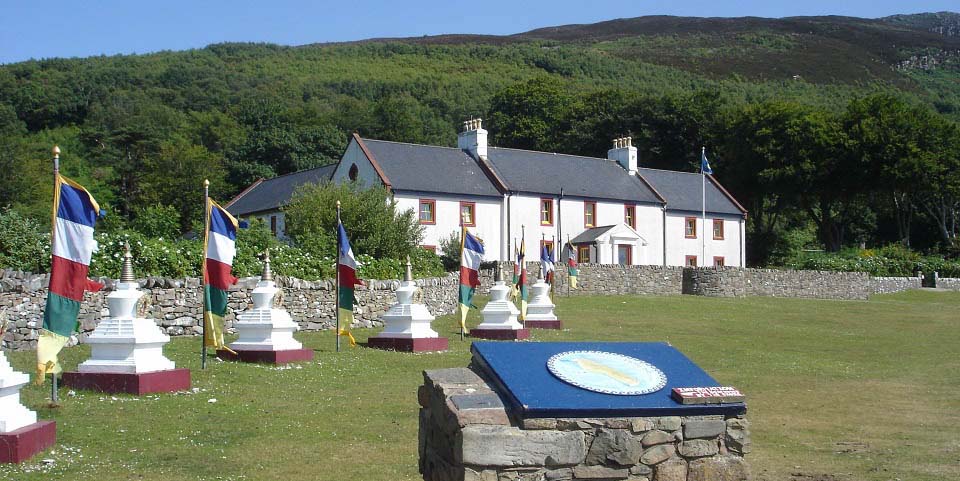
(612,210)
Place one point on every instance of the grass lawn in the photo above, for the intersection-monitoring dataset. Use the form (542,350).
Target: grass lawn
(835,390)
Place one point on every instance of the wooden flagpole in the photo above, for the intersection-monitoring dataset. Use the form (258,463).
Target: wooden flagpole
(337,290)
(54,390)
(206,234)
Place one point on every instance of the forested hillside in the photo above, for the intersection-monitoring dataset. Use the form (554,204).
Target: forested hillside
(832,131)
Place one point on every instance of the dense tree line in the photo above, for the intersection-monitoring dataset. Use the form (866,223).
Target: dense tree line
(817,165)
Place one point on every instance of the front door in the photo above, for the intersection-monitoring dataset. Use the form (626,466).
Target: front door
(625,255)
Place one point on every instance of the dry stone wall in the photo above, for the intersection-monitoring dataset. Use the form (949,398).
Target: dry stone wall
(951,283)
(176,304)
(466,433)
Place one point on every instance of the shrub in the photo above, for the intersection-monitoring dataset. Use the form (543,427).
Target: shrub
(24,245)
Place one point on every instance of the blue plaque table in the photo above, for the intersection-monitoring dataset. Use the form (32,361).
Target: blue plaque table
(579,410)
(522,374)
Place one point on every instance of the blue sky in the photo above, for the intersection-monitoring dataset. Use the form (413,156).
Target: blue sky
(70,28)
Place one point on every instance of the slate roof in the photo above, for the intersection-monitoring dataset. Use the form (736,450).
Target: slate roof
(546,173)
(592,234)
(683,190)
(271,194)
(429,168)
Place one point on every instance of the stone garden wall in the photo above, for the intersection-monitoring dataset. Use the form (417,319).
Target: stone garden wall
(176,304)
(467,434)
(887,285)
(951,283)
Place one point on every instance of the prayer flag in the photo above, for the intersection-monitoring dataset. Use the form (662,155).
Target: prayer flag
(346,281)
(219,245)
(75,212)
(471,254)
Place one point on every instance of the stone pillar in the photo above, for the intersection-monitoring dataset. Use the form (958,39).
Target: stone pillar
(467,433)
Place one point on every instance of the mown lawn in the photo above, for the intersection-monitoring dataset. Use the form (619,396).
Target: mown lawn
(849,390)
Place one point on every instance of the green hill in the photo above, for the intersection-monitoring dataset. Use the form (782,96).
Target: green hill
(234,112)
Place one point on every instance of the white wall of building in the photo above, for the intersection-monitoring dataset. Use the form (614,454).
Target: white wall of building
(366,174)
(447,216)
(704,248)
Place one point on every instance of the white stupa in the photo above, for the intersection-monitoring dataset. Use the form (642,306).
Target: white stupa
(266,332)
(123,342)
(500,315)
(540,308)
(407,323)
(21,435)
(126,351)
(13,415)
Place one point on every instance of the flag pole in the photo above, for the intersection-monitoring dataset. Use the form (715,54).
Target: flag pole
(553,260)
(463,242)
(337,290)
(206,227)
(54,390)
(570,247)
(703,209)
(523,267)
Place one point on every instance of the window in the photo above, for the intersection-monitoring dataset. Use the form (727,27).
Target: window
(589,214)
(549,244)
(583,254)
(467,214)
(428,211)
(690,228)
(352,173)
(718,261)
(718,229)
(273,224)
(546,211)
(630,216)
(429,248)
(690,261)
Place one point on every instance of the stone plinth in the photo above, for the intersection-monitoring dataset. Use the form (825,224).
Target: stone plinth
(500,317)
(21,436)
(266,332)
(24,443)
(407,325)
(466,432)
(126,353)
(540,308)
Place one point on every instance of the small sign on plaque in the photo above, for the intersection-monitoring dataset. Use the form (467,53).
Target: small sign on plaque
(707,395)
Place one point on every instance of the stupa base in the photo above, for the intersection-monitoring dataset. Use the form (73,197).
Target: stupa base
(501,334)
(544,324)
(267,357)
(419,344)
(24,443)
(170,380)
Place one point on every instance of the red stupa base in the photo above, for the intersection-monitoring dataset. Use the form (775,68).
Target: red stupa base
(554,324)
(171,380)
(24,443)
(421,344)
(501,334)
(267,357)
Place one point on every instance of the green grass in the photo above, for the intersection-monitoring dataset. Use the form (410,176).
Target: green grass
(857,390)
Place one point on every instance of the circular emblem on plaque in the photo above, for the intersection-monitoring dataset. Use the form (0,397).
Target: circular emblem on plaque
(607,372)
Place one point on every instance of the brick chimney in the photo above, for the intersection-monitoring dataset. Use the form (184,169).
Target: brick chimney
(624,153)
(473,139)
